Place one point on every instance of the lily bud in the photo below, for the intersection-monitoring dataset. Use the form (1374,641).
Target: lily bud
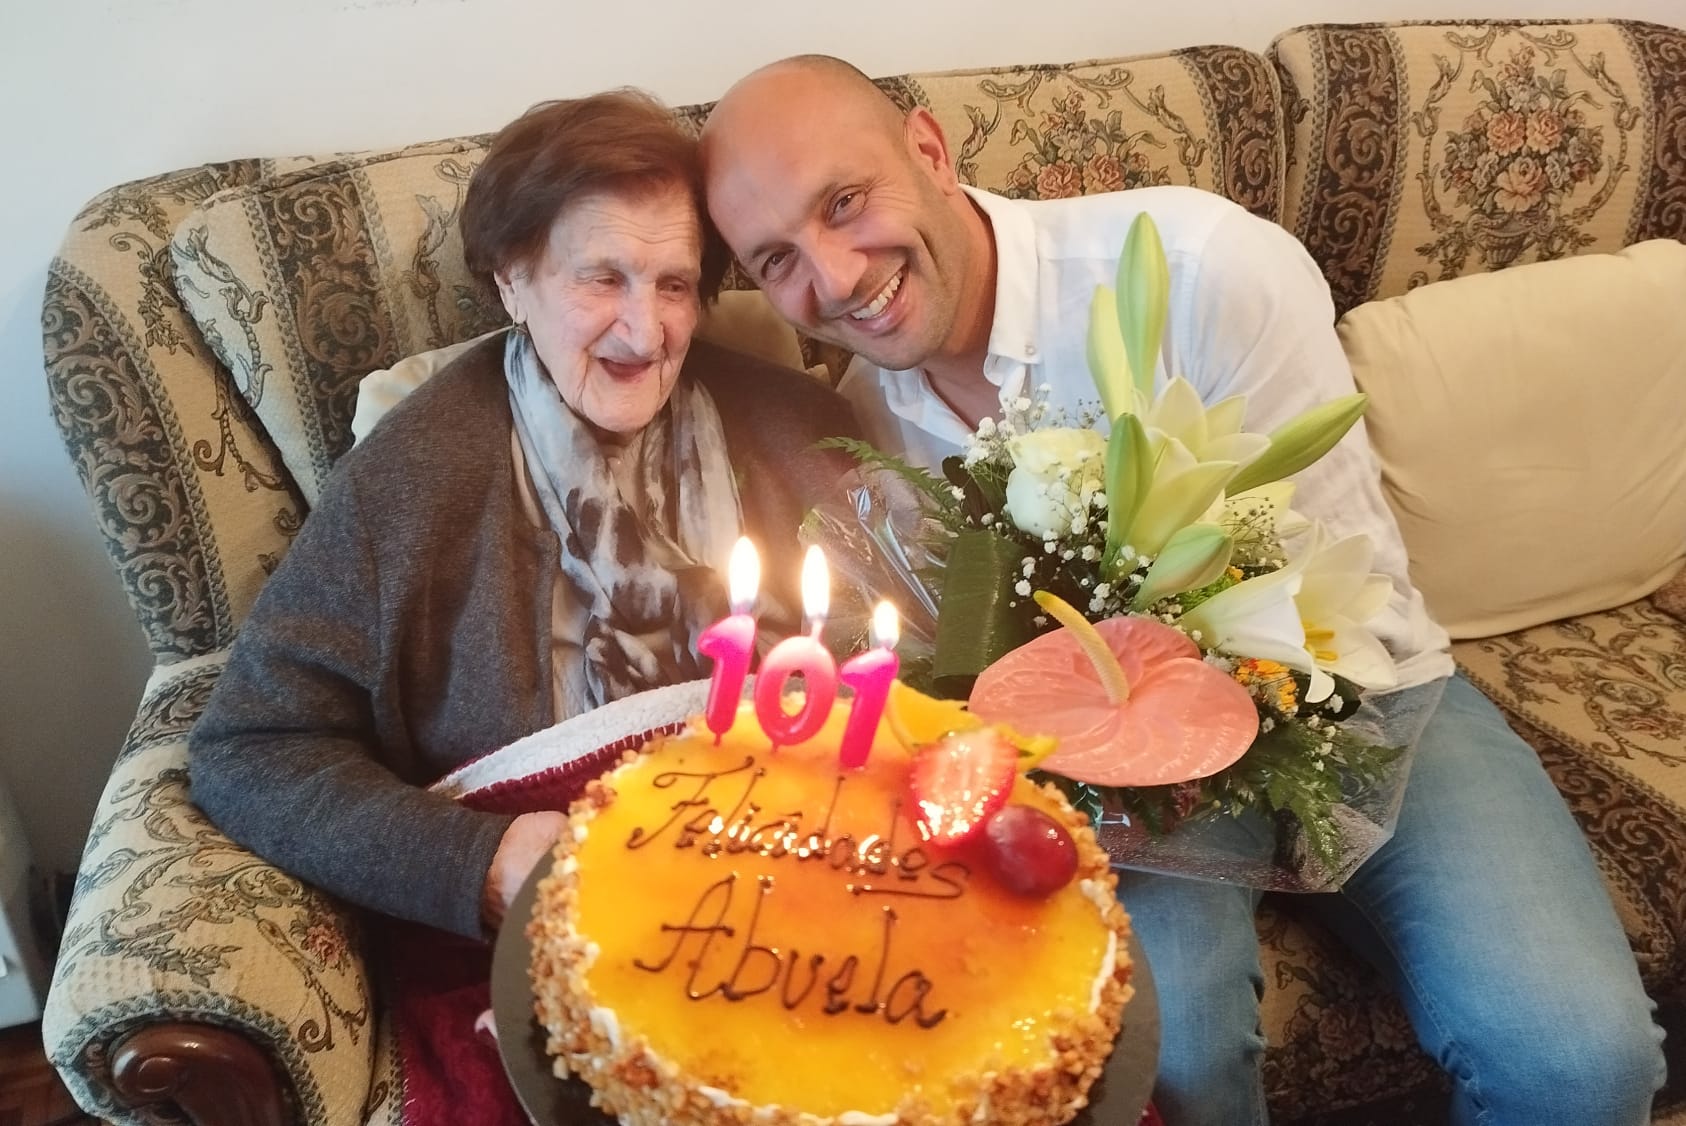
(1108,365)
(1195,557)
(1300,441)
(1143,295)
(1129,477)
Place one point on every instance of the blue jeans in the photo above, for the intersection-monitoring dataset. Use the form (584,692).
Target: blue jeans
(1486,913)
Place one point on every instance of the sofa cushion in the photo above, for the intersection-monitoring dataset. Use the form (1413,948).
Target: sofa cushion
(1425,151)
(1337,1035)
(380,391)
(304,283)
(1528,428)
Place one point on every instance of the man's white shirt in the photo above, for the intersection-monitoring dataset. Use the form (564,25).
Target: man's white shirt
(1250,314)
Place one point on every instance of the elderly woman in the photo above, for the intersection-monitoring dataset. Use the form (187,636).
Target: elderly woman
(539,529)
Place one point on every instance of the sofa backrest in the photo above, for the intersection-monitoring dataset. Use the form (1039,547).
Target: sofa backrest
(205,330)
(1425,151)
(1209,117)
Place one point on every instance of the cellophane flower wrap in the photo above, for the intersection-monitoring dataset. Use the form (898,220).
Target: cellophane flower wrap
(1150,598)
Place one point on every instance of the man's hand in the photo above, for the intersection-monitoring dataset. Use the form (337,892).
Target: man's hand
(524,844)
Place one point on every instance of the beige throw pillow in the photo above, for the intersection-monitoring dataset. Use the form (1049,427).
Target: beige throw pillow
(380,391)
(742,320)
(1529,425)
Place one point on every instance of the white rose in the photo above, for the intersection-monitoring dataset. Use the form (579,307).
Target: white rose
(1044,490)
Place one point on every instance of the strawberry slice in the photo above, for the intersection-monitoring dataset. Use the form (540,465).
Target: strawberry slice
(959,780)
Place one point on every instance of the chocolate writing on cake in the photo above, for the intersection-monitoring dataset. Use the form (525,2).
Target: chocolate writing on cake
(717,815)
(759,968)
(697,821)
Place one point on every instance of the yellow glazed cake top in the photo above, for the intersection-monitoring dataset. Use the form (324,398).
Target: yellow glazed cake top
(775,926)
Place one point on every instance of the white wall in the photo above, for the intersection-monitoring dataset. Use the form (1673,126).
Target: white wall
(95,92)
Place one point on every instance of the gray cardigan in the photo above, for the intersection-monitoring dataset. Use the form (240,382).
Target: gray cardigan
(407,631)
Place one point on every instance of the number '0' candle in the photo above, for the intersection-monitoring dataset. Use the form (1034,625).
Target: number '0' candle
(731,641)
(870,674)
(800,655)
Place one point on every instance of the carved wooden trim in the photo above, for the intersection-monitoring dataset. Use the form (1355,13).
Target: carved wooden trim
(213,1076)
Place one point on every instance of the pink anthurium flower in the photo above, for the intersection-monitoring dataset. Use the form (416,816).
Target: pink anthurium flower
(1129,699)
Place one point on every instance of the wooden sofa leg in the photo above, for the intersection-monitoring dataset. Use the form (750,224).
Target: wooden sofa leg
(213,1076)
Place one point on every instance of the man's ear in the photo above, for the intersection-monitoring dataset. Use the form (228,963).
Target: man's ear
(928,148)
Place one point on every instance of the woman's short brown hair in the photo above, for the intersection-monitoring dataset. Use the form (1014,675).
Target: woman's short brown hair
(556,152)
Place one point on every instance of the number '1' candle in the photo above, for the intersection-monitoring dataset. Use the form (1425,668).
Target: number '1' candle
(731,640)
(870,674)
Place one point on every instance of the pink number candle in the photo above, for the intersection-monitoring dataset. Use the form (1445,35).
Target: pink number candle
(805,655)
(870,675)
(731,641)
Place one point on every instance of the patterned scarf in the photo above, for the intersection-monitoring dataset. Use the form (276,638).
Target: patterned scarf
(642,579)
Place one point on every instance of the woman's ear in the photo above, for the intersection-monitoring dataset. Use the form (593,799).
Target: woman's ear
(510,293)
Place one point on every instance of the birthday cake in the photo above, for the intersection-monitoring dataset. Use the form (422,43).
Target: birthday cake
(733,933)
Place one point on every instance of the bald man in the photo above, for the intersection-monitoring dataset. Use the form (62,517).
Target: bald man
(1485,909)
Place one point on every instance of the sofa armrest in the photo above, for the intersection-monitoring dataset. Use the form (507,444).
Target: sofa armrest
(209,1074)
(184,953)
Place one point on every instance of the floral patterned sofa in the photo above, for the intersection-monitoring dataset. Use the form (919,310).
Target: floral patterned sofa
(205,331)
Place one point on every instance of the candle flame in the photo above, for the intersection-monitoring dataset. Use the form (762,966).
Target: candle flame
(816,587)
(886,626)
(743,574)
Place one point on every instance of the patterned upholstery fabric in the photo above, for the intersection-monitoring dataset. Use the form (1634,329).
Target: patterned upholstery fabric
(1671,598)
(202,351)
(304,284)
(174,921)
(187,491)
(1338,1037)
(1425,151)
(1206,116)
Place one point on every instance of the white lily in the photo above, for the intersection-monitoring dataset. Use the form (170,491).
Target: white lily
(1256,617)
(1338,594)
(1182,491)
(1210,433)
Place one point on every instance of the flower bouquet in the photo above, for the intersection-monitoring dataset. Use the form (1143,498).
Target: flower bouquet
(1151,600)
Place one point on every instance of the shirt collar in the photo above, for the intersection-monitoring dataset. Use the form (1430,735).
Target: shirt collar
(1013,334)
(1012,339)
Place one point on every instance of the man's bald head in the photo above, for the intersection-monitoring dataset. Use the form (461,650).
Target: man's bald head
(847,212)
(822,90)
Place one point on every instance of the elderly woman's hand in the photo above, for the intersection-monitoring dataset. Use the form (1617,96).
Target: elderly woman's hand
(526,841)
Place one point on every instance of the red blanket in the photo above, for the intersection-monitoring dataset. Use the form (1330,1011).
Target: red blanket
(441,983)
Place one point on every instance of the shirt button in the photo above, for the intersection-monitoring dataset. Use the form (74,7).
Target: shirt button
(1030,349)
